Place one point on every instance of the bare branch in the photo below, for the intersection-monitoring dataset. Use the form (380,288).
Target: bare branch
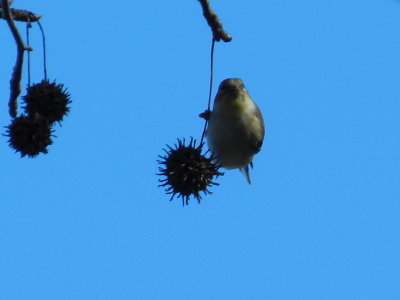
(214,22)
(21,15)
(15,88)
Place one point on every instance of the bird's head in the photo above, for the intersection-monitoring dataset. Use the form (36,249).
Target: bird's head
(231,86)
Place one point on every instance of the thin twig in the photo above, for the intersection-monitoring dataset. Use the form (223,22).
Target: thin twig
(44,50)
(214,22)
(15,88)
(207,113)
(28,26)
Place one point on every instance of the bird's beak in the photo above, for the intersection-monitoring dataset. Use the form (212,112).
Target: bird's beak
(235,90)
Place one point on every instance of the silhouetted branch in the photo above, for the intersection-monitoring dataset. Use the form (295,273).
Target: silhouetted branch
(21,15)
(15,88)
(214,22)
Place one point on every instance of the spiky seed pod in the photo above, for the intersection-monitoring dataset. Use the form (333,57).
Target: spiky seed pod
(188,172)
(48,99)
(29,135)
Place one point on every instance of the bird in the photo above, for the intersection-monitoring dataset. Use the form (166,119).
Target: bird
(235,130)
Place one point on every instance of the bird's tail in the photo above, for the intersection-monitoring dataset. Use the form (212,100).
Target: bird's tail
(245,171)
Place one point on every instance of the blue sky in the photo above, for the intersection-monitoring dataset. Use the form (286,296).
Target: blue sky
(321,219)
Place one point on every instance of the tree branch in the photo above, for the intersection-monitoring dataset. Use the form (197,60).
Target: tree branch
(15,88)
(21,15)
(214,22)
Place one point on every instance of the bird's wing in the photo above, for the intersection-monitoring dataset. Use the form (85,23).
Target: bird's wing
(258,132)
